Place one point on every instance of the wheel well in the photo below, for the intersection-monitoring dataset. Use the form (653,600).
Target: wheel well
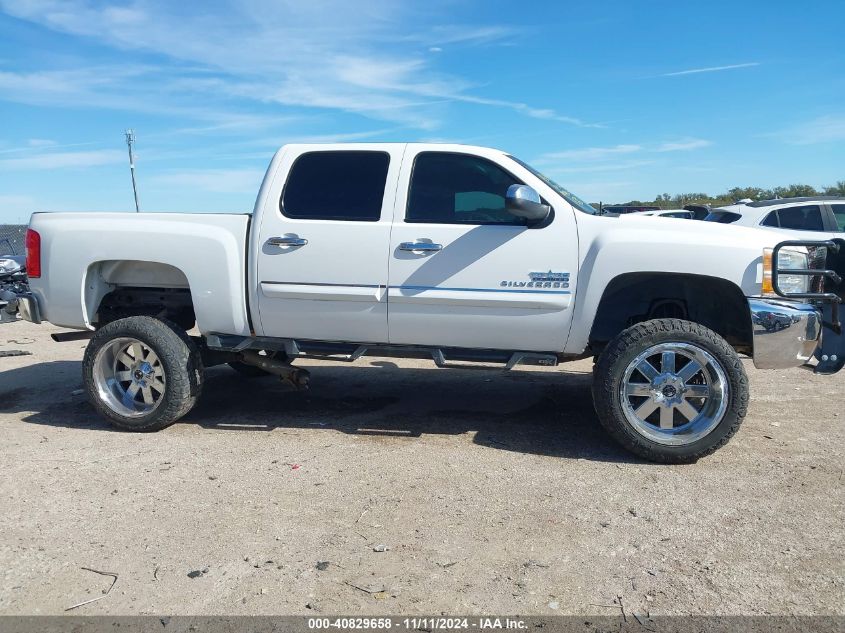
(174,304)
(632,298)
(116,289)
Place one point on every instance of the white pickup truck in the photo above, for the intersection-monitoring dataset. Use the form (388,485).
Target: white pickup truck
(452,252)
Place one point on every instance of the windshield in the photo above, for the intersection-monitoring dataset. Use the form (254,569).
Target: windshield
(570,197)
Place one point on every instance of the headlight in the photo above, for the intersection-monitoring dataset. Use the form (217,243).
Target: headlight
(788,284)
(8,266)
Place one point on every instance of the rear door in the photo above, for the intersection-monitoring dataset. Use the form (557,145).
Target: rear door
(323,240)
(466,273)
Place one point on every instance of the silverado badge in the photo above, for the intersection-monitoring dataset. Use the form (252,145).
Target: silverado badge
(548,279)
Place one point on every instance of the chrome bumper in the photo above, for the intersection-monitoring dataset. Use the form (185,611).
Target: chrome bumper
(786,333)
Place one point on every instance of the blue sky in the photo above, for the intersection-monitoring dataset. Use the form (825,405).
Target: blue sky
(614,99)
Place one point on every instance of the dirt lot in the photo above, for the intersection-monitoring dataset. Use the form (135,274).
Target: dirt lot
(491,492)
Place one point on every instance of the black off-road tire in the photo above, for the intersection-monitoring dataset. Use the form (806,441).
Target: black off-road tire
(622,350)
(180,358)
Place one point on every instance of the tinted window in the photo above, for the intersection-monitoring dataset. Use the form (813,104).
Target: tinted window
(458,189)
(678,214)
(839,213)
(336,186)
(722,217)
(806,218)
(771,219)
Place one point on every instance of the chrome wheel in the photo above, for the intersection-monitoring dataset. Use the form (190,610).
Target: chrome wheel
(674,393)
(129,377)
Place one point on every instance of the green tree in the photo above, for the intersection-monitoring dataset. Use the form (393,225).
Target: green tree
(794,191)
(836,190)
(755,193)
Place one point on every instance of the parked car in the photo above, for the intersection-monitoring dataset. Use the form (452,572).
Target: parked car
(816,217)
(12,285)
(699,211)
(453,252)
(622,209)
(666,213)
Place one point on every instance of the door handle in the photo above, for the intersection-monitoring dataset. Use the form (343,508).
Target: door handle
(287,240)
(420,247)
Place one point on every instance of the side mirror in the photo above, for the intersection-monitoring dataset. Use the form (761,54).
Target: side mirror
(524,202)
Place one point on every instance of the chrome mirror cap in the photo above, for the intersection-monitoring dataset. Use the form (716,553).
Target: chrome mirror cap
(524,202)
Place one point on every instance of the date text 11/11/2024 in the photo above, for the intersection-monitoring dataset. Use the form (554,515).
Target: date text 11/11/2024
(416,624)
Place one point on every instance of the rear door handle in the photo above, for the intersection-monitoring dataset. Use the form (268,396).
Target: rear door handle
(287,240)
(420,247)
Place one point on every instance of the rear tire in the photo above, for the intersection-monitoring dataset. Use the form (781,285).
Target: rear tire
(142,373)
(670,390)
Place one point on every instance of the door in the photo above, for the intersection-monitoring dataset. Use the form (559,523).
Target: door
(323,240)
(466,273)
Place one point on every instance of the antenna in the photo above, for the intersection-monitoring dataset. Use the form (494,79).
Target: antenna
(130,140)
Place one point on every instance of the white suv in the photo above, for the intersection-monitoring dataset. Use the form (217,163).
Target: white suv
(820,216)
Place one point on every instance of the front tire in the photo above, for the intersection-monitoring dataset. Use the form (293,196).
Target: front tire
(670,390)
(141,373)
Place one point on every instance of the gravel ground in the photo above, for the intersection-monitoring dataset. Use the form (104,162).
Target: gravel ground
(488,492)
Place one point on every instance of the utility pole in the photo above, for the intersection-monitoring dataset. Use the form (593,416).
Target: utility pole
(130,140)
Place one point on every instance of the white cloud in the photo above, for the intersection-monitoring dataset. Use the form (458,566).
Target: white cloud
(63,160)
(39,145)
(824,129)
(709,69)
(580,168)
(606,158)
(591,153)
(213,180)
(683,145)
(332,54)
(454,34)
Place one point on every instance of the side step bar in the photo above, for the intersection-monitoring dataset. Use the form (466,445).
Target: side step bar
(350,352)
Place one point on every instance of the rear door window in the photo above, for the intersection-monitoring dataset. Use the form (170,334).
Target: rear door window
(345,185)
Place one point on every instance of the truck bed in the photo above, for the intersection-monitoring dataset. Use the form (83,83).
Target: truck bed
(84,256)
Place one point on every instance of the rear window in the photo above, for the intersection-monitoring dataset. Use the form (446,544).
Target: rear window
(347,185)
(722,217)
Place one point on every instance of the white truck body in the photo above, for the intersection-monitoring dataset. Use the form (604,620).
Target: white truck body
(455,252)
(352,283)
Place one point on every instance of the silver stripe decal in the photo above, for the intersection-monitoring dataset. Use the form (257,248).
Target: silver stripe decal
(323,285)
(506,290)
(510,290)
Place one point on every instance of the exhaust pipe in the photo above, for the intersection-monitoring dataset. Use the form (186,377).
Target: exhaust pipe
(297,377)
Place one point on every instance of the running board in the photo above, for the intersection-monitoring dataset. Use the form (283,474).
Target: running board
(350,352)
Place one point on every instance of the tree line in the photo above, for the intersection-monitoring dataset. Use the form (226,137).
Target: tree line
(667,201)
